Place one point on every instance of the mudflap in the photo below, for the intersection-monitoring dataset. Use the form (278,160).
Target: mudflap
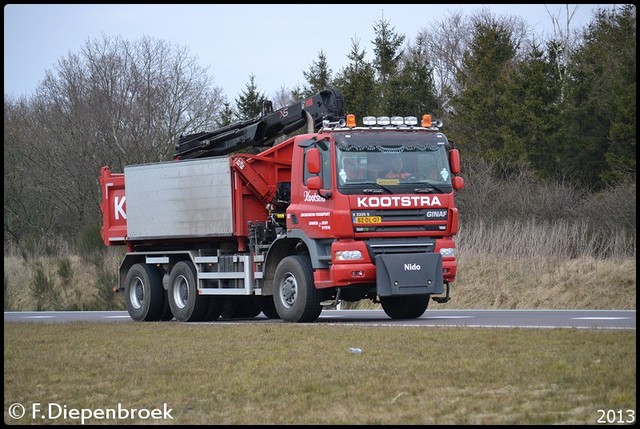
(409,274)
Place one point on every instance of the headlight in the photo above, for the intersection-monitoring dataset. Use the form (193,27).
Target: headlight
(448,252)
(348,255)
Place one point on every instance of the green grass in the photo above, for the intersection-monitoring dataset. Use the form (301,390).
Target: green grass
(305,374)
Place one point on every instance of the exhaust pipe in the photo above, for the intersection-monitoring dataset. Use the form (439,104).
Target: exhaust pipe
(310,122)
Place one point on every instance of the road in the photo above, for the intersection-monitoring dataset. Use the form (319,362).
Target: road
(583,319)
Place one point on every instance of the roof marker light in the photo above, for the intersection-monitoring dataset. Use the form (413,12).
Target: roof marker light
(410,120)
(369,120)
(383,120)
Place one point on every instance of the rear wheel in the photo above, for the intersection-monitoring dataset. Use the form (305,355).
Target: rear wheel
(143,293)
(166,308)
(186,305)
(295,297)
(405,307)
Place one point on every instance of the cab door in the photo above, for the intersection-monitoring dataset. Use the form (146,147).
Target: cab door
(312,190)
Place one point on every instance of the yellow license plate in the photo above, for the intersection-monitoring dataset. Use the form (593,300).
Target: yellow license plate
(368,219)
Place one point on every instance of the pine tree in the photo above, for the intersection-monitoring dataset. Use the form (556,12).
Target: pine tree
(356,81)
(227,115)
(249,102)
(601,122)
(386,47)
(483,108)
(318,76)
(535,119)
(387,56)
(411,92)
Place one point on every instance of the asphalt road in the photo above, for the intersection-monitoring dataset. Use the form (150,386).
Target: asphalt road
(583,319)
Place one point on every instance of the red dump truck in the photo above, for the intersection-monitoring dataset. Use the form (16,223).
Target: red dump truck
(302,225)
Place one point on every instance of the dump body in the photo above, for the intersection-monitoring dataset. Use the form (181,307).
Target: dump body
(194,199)
(170,200)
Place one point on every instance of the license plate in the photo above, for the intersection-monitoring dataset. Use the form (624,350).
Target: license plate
(368,219)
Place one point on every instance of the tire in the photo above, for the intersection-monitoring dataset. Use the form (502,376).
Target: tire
(268,307)
(405,307)
(229,307)
(251,308)
(166,314)
(240,307)
(214,310)
(186,305)
(295,297)
(143,293)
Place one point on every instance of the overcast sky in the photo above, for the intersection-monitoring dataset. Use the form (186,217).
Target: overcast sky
(275,42)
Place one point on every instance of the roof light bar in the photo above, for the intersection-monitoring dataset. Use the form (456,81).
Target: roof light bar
(399,120)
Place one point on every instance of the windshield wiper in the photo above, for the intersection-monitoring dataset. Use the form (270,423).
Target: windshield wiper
(379,190)
(428,189)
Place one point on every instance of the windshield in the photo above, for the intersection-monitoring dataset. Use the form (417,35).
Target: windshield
(392,162)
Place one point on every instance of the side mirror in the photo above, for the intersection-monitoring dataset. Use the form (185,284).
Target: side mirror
(314,161)
(457,182)
(454,161)
(314,183)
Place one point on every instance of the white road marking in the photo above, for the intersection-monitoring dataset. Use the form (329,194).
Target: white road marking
(449,317)
(601,318)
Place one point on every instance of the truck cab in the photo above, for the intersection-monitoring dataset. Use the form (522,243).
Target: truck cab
(373,234)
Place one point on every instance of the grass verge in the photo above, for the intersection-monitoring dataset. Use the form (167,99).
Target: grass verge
(305,374)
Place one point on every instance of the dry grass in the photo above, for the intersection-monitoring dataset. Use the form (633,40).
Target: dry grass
(82,291)
(544,283)
(304,374)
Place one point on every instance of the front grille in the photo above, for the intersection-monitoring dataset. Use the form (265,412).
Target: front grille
(380,246)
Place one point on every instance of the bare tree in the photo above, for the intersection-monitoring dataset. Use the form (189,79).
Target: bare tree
(565,44)
(113,103)
(444,44)
(27,211)
(285,97)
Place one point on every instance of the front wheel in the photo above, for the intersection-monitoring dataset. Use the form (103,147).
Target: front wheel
(295,296)
(268,306)
(405,307)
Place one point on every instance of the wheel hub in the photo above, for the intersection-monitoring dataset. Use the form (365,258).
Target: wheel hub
(288,290)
